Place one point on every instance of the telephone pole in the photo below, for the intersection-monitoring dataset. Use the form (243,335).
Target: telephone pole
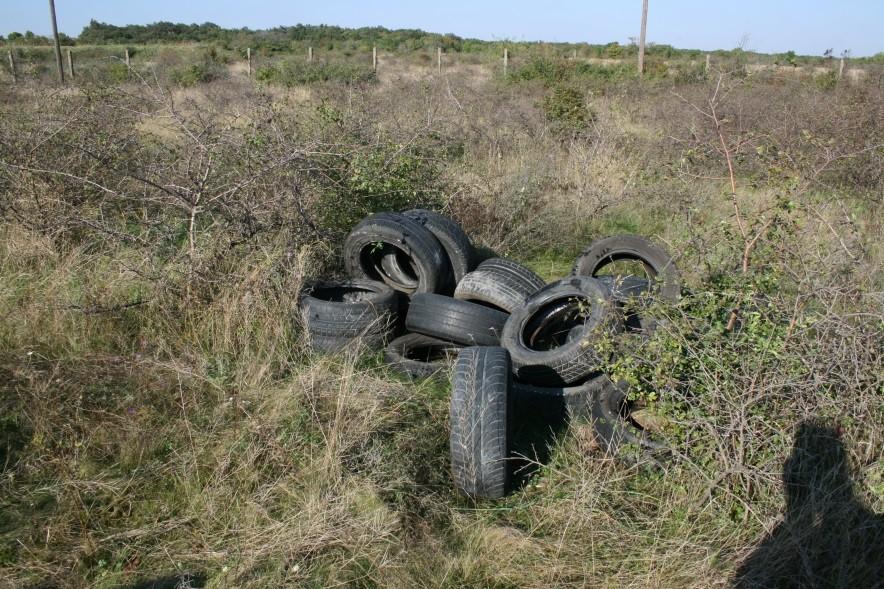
(57,43)
(641,39)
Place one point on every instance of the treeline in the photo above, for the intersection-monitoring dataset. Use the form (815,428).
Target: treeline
(330,38)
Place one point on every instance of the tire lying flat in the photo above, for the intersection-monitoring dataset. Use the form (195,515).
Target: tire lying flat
(384,234)
(658,264)
(455,321)
(338,312)
(420,356)
(501,283)
(479,421)
(551,339)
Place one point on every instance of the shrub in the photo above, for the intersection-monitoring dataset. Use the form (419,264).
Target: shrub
(566,109)
(193,74)
(826,80)
(378,178)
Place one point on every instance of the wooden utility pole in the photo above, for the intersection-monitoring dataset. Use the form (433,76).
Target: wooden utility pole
(374,58)
(506,60)
(439,59)
(57,43)
(310,54)
(12,67)
(641,39)
(71,64)
(249,61)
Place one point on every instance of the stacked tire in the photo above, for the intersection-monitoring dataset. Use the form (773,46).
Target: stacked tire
(496,327)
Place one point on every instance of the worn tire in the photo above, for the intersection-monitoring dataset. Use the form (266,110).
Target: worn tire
(515,270)
(630,292)
(337,312)
(454,240)
(616,434)
(384,233)
(479,421)
(500,283)
(413,355)
(657,262)
(453,320)
(541,338)
(576,401)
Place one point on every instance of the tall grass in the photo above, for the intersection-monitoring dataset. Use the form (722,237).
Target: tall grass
(161,413)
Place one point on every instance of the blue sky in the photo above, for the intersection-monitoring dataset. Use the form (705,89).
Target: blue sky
(805,26)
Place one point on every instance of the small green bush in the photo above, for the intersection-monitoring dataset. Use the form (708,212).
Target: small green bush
(826,80)
(566,109)
(190,75)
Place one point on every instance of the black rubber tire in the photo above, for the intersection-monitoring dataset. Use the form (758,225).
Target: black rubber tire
(627,291)
(383,233)
(502,284)
(624,288)
(330,344)
(657,262)
(480,421)
(571,357)
(453,320)
(576,401)
(515,270)
(400,355)
(337,312)
(454,240)
(391,266)
(616,434)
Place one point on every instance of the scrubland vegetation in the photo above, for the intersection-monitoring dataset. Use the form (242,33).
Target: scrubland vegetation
(160,411)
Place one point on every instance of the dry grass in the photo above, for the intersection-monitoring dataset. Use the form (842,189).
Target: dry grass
(161,412)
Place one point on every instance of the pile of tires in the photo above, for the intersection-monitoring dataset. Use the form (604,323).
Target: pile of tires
(417,290)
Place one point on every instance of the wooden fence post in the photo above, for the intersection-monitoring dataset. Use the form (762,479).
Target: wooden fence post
(841,68)
(249,60)
(12,67)
(310,54)
(71,63)
(126,55)
(574,55)
(506,60)
(374,58)
(439,59)
(57,42)
(641,39)
(708,62)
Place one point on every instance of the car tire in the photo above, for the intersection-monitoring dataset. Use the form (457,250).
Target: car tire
(500,283)
(455,321)
(420,356)
(658,264)
(382,234)
(479,421)
(541,338)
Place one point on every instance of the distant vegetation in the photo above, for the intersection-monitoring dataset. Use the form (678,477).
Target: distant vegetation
(325,37)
